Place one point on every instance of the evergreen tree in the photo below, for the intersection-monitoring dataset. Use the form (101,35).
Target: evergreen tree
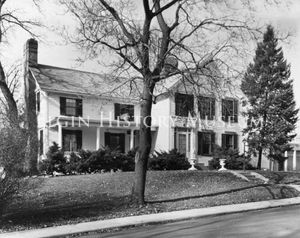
(271,111)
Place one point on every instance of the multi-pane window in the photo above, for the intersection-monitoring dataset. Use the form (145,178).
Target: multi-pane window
(230,110)
(230,141)
(124,112)
(206,107)
(115,141)
(72,140)
(70,107)
(206,141)
(184,104)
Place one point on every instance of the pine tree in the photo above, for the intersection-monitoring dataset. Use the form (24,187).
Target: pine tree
(271,109)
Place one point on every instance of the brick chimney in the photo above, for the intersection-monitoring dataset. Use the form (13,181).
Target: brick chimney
(31,52)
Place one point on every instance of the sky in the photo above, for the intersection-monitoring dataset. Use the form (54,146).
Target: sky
(53,50)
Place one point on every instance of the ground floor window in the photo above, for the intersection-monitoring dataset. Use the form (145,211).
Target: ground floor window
(72,140)
(115,141)
(230,141)
(206,141)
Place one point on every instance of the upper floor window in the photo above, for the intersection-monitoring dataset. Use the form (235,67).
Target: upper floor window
(124,112)
(230,110)
(230,141)
(206,107)
(184,104)
(70,107)
(206,141)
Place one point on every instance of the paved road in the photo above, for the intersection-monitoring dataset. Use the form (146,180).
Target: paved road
(278,222)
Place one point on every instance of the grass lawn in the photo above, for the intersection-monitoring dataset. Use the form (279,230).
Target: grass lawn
(73,199)
(282,177)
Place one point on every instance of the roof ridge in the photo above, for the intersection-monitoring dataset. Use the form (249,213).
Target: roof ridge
(56,67)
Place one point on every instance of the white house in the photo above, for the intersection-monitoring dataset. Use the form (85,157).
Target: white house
(83,110)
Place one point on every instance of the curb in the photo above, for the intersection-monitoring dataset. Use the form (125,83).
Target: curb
(151,218)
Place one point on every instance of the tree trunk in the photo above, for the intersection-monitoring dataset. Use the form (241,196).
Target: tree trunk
(12,110)
(141,157)
(259,158)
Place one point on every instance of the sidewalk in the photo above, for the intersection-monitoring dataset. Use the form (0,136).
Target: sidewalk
(151,218)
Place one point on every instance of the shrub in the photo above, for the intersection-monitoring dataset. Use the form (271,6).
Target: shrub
(55,161)
(12,163)
(233,161)
(171,160)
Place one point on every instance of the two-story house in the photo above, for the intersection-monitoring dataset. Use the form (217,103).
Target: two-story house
(80,110)
(84,110)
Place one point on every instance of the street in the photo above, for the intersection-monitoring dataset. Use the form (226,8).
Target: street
(278,222)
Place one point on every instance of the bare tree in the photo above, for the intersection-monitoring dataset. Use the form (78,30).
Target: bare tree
(146,37)
(9,19)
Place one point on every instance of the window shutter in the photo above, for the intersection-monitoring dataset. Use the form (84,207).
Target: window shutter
(200,142)
(213,109)
(224,114)
(235,110)
(79,139)
(117,110)
(38,101)
(79,107)
(62,105)
(190,103)
(41,142)
(175,141)
(213,136)
(122,143)
(235,137)
(107,139)
(223,140)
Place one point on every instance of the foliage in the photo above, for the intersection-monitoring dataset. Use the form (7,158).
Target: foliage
(12,163)
(271,109)
(172,160)
(85,161)
(233,159)
(55,161)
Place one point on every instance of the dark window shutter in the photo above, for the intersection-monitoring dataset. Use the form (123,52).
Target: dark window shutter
(213,139)
(79,107)
(131,112)
(38,101)
(62,105)
(224,114)
(79,139)
(177,104)
(190,103)
(235,138)
(122,142)
(175,141)
(200,142)
(107,139)
(235,110)
(41,142)
(223,140)
(213,108)
(117,110)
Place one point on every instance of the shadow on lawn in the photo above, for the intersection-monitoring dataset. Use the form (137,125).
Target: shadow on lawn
(284,191)
(50,215)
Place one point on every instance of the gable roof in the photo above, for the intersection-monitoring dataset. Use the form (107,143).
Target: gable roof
(70,81)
